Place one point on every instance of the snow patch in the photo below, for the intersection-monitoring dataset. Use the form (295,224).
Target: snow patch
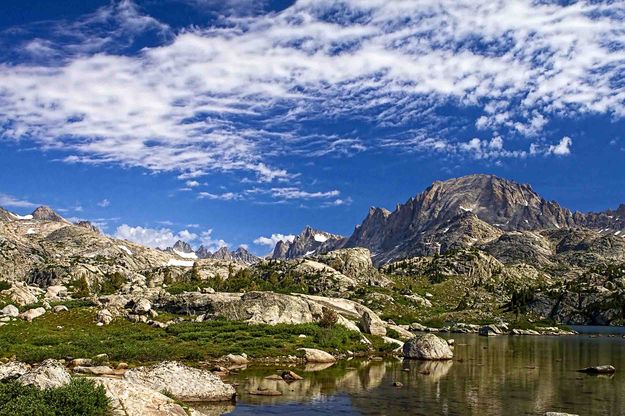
(185,255)
(320,238)
(181,263)
(466,209)
(126,249)
(23,217)
(308,253)
(31,231)
(617,233)
(445,230)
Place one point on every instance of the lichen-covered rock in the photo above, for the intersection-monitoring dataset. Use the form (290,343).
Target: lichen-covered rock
(142,307)
(21,294)
(10,310)
(372,324)
(312,355)
(31,314)
(13,370)
(131,399)
(50,374)
(104,317)
(184,383)
(427,347)
(60,308)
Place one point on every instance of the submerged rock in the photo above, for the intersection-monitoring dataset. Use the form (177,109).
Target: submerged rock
(427,347)
(290,376)
(265,392)
(600,369)
(184,383)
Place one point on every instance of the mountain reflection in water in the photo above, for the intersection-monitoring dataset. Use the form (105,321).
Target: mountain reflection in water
(489,376)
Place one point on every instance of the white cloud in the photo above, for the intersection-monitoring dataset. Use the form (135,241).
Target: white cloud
(211,243)
(11,201)
(192,184)
(104,203)
(273,240)
(226,196)
(296,193)
(153,237)
(165,237)
(157,109)
(561,149)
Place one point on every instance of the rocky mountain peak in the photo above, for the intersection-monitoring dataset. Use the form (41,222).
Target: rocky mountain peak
(309,241)
(222,254)
(183,247)
(203,253)
(425,224)
(44,213)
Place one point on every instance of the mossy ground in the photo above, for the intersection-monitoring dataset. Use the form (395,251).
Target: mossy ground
(74,334)
(453,300)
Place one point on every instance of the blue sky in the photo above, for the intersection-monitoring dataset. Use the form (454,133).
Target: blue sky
(222,122)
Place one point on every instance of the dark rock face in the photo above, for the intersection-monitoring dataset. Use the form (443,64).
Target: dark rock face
(308,242)
(44,213)
(88,226)
(6,215)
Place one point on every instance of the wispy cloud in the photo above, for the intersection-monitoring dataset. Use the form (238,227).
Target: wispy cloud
(14,202)
(179,106)
(104,203)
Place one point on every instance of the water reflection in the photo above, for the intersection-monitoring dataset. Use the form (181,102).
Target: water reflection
(489,376)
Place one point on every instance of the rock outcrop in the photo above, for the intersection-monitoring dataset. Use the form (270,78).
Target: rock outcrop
(308,242)
(314,356)
(427,347)
(131,399)
(184,383)
(50,374)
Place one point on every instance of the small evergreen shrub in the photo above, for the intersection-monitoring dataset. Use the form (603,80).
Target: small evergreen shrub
(79,398)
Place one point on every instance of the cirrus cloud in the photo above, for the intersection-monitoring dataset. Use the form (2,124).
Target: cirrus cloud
(216,99)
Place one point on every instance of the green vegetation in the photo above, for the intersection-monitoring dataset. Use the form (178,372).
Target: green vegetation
(75,334)
(80,398)
(4,285)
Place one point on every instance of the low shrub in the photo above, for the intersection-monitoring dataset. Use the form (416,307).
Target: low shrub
(79,398)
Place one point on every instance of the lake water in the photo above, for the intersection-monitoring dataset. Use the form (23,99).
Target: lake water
(502,375)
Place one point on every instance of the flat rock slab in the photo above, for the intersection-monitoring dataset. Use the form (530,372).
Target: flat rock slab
(50,374)
(187,384)
(131,399)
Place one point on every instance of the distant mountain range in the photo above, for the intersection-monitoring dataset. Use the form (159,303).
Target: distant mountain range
(240,255)
(455,213)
